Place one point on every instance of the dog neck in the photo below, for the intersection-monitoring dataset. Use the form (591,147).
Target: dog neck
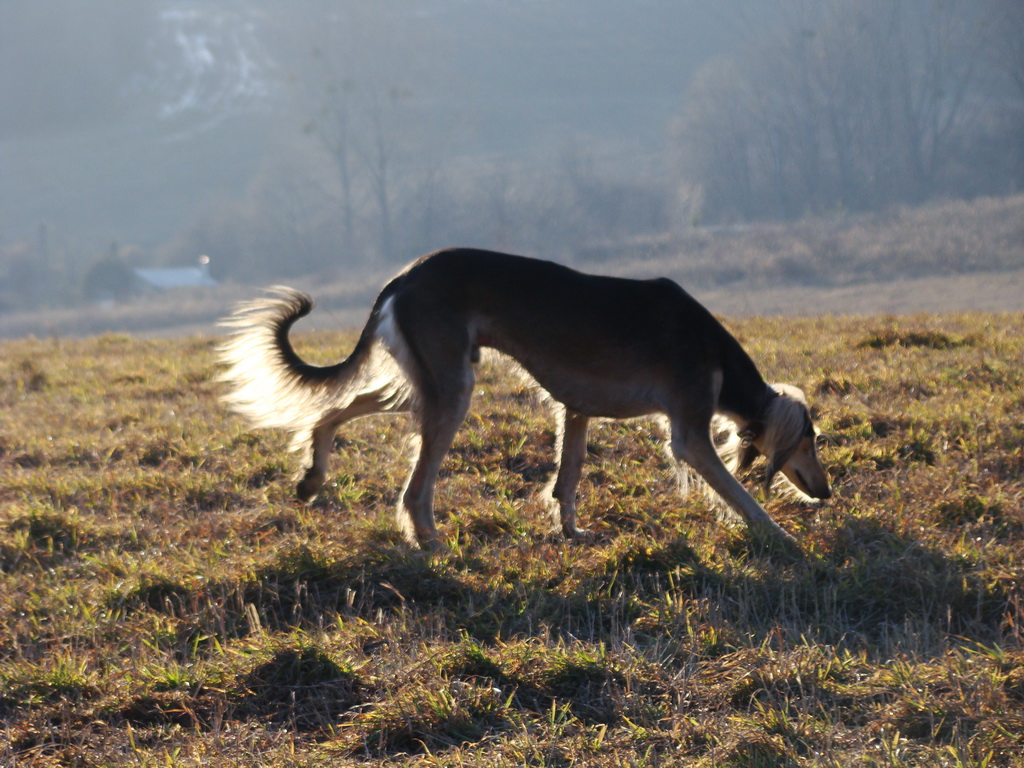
(750,421)
(744,396)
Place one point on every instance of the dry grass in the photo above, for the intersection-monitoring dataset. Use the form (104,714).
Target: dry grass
(941,239)
(164,602)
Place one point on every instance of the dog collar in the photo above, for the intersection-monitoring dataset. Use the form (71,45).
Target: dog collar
(751,432)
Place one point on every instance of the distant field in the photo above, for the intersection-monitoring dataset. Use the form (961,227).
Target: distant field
(945,257)
(165,602)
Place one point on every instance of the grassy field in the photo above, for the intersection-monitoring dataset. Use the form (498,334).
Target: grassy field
(164,602)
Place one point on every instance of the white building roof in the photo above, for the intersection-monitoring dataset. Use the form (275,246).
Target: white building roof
(177,277)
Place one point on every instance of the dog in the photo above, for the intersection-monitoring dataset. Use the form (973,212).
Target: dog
(602,347)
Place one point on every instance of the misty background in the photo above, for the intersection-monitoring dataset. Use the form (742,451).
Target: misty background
(332,141)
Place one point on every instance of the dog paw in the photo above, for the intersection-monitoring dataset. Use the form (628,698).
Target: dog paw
(433,546)
(309,486)
(579,534)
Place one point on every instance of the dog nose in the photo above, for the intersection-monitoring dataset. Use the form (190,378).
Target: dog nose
(825,494)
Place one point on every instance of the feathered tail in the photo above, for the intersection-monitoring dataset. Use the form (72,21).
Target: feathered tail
(270,385)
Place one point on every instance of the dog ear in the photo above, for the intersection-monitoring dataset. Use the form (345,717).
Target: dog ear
(786,422)
(748,451)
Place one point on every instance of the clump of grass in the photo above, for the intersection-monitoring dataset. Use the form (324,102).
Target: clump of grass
(30,378)
(893,337)
(643,556)
(162,709)
(468,660)
(834,385)
(43,537)
(301,687)
(970,509)
(579,680)
(425,718)
(65,678)
(157,592)
(759,750)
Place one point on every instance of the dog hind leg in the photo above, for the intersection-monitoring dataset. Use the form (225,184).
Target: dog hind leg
(439,421)
(572,450)
(321,438)
(437,360)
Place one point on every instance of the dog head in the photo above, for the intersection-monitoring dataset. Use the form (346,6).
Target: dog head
(787,438)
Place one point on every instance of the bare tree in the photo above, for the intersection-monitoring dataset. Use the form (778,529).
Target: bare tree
(714,133)
(334,130)
(851,103)
(1009,43)
(1008,62)
(371,64)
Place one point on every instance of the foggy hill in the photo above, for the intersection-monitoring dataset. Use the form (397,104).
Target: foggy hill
(332,140)
(124,121)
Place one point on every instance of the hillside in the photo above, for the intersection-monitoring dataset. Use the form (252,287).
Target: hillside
(164,601)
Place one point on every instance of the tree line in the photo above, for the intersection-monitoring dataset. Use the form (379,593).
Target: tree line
(822,107)
(859,105)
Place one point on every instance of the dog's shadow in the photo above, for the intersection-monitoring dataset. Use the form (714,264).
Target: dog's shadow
(858,579)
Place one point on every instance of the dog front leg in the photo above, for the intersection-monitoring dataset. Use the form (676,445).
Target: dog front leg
(699,452)
(572,450)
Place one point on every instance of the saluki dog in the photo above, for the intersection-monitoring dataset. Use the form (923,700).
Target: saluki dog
(601,346)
